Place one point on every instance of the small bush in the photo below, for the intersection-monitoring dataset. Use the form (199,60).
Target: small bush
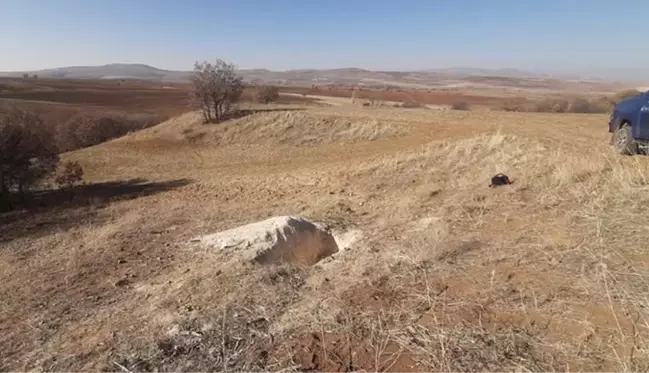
(267,94)
(561,105)
(579,105)
(626,94)
(194,137)
(550,106)
(585,106)
(28,154)
(514,106)
(69,175)
(602,105)
(85,130)
(462,105)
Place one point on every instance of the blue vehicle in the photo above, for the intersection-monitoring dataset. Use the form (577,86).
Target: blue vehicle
(629,124)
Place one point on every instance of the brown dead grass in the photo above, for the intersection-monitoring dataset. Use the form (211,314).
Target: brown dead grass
(423,97)
(57,100)
(582,105)
(546,274)
(290,126)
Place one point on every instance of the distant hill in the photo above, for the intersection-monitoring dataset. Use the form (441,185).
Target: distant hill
(141,71)
(433,78)
(474,71)
(111,71)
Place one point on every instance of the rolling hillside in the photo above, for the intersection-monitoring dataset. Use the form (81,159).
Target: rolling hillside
(464,77)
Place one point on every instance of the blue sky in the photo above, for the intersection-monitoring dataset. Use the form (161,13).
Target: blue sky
(547,36)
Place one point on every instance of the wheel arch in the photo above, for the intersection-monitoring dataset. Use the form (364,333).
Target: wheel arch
(623,122)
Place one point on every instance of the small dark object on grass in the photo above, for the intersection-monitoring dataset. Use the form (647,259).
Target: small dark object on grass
(498,180)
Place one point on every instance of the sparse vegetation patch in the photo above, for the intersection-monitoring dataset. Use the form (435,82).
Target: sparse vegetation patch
(28,153)
(460,105)
(267,94)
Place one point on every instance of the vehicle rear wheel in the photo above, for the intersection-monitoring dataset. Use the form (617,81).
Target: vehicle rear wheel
(624,142)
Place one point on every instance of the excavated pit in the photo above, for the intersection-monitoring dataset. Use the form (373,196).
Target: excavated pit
(277,240)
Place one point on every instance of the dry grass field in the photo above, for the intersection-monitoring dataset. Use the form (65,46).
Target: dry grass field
(445,273)
(430,97)
(58,100)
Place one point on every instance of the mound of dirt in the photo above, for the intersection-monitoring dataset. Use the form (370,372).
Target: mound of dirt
(301,128)
(290,127)
(277,240)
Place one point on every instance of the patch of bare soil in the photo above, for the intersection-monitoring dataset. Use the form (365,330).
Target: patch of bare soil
(331,352)
(277,240)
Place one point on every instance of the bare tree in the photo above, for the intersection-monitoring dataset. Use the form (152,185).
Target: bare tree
(216,88)
(200,79)
(267,94)
(27,152)
(69,174)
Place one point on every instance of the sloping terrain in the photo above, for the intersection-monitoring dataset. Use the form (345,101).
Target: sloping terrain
(445,273)
(110,71)
(426,79)
(290,126)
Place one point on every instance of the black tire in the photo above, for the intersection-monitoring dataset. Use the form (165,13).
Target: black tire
(624,142)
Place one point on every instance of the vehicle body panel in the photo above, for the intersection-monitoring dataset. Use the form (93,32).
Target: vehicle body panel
(635,112)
